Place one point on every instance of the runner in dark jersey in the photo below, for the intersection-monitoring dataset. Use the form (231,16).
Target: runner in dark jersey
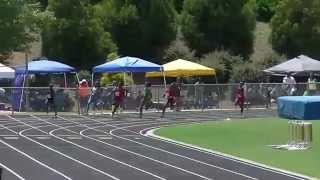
(50,101)
(147,99)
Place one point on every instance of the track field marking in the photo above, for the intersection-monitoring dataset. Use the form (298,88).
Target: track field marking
(12,172)
(35,160)
(146,157)
(58,152)
(11,138)
(182,156)
(222,155)
(90,150)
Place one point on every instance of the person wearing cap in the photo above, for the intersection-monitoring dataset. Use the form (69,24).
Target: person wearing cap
(147,98)
(240,97)
(50,101)
(83,95)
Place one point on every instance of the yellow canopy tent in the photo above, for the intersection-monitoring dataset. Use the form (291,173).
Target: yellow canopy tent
(182,68)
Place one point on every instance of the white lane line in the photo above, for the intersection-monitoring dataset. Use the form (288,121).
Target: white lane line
(96,128)
(90,150)
(235,159)
(146,157)
(150,134)
(159,149)
(8,129)
(62,154)
(11,138)
(12,172)
(179,155)
(35,160)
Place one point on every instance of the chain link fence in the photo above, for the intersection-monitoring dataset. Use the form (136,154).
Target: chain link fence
(203,96)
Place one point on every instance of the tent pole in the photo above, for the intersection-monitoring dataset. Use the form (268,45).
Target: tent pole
(24,79)
(164,78)
(124,79)
(65,80)
(77,95)
(92,79)
(22,92)
(77,76)
(218,89)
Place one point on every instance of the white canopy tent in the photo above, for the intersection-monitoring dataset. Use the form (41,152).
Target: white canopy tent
(6,72)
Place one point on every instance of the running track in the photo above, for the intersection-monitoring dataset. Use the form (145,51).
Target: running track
(98,148)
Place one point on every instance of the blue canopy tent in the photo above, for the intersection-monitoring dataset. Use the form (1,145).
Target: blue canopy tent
(126,64)
(40,66)
(44,66)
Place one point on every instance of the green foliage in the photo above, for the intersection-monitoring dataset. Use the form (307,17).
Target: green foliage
(208,25)
(270,60)
(19,23)
(296,28)
(112,56)
(178,50)
(107,79)
(266,9)
(223,62)
(84,74)
(247,72)
(178,4)
(76,35)
(141,28)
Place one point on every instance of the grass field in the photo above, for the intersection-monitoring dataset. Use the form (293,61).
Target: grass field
(248,139)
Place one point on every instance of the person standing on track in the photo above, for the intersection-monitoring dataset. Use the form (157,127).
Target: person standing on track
(83,95)
(240,97)
(50,101)
(118,98)
(147,99)
(171,94)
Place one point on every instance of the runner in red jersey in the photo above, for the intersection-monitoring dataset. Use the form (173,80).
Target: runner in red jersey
(171,93)
(240,97)
(118,97)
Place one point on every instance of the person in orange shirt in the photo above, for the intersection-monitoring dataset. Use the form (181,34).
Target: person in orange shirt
(83,95)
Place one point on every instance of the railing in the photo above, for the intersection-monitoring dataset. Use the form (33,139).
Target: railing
(205,96)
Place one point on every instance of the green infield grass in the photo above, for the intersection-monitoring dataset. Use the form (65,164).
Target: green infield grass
(249,139)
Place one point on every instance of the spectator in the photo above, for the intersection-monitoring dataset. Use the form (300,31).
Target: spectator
(312,86)
(289,84)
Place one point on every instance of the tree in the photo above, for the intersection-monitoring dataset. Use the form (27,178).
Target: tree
(178,50)
(223,62)
(141,28)
(212,24)
(19,24)
(296,28)
(266,9)
(76,35)
(247,72)
(178,4)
